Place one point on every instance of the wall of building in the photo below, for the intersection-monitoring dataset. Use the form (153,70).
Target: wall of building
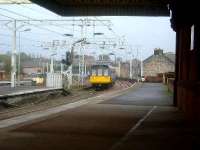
(158,64)
(2,75)
(29,71)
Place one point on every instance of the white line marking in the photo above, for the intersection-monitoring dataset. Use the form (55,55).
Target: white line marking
(39,114)
(130,132)
(44,113)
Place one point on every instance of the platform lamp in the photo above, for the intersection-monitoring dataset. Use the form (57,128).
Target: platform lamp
(69,35)
(98,33)
(19,57)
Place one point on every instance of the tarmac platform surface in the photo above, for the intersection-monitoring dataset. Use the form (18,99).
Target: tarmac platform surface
(6,89)
(140,118)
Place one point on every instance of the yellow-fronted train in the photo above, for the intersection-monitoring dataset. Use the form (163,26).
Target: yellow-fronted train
(102,76)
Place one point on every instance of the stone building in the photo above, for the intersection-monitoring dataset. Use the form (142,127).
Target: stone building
(158,63)
(34,66)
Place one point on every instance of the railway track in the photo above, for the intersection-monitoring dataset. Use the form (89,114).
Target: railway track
(49,103)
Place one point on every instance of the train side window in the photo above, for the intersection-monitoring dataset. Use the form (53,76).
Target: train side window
(93,72)
(100,72)
(106,72)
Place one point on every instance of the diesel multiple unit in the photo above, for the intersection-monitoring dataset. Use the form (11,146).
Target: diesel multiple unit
(102,76)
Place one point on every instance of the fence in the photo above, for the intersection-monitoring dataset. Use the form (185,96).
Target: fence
(54,80)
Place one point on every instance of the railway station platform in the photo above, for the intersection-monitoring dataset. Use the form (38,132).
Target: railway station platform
(10,95)
(6,89)
(141,117)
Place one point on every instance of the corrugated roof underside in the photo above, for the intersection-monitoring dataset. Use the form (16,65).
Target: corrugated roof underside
(106,7)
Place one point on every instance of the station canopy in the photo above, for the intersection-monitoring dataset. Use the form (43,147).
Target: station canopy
(101,7)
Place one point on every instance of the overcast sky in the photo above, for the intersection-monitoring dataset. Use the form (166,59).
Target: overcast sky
(142,33)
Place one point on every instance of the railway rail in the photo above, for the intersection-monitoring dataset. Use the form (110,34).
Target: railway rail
(50,103)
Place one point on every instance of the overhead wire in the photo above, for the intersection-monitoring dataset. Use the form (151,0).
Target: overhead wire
(32,18)
(110,29)
(29,39)
(35,11)
(10,11)
(7,16)
(28,22)
(6,35)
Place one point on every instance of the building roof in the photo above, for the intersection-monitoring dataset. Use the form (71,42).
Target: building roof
(37,62)
(106,7)
(170,56)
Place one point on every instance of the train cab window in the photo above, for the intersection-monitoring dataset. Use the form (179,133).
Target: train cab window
(100,72)
(93,72)
(106,72)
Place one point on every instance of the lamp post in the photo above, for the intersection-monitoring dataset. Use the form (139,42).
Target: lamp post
(131,60)
(52,60)
(120,48)
(130,65)
(13,57)
(19,56)
(62,64)
(13,53)
(52,63)
(140,68)
(72,53)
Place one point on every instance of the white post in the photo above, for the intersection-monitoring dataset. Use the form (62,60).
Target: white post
(70,77)
(131,71)
(138,67)
(82,62)
(19,60)
(82,69)
(141,68)
(13,57)
(79,69)
(119,69)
